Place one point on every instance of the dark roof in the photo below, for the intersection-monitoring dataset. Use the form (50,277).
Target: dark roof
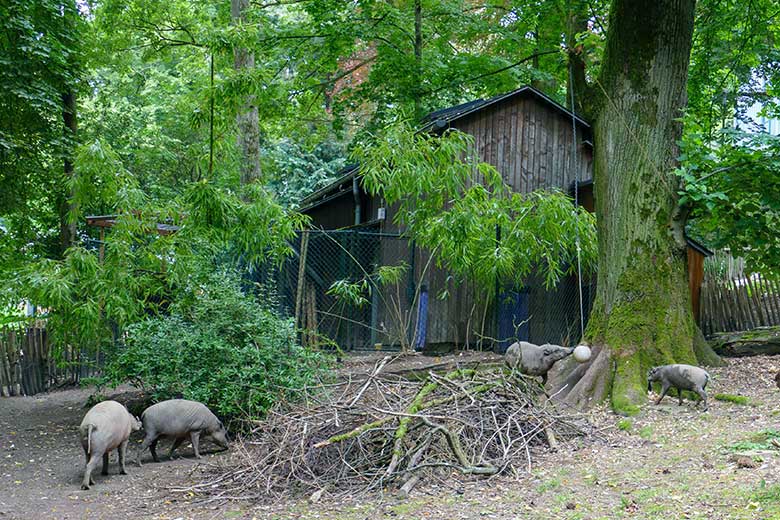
(110,221)
(327,193)
(697,246)
(436,119)
(445,116)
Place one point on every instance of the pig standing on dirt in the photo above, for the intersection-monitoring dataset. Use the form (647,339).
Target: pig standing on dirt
(106,427)
(535,360)
(682,377)
(179,418)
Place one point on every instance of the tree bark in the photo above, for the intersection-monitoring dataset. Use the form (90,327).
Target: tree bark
(247,118)
(642,313)
(577,22)
(65,206)
(418,48)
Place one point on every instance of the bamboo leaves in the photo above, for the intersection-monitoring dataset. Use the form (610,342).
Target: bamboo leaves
(460,207)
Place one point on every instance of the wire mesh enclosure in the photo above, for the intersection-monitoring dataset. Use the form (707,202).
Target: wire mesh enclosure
(422,306)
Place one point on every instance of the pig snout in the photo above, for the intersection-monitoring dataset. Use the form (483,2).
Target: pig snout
(555,353)
(220,438)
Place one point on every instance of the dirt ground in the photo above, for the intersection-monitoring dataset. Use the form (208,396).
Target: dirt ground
(669,462)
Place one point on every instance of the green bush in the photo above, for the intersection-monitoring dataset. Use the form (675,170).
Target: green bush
(218,346)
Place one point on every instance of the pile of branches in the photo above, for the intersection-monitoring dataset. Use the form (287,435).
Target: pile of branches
(387,431)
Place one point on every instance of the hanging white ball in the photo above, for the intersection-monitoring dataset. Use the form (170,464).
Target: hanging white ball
(582,353)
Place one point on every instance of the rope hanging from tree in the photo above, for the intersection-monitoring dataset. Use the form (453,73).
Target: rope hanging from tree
(576,198)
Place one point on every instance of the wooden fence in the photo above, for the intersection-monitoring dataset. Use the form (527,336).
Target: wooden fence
(29,365)
(733,300)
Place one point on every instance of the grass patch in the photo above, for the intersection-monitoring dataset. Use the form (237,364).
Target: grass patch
(646,432)
(766,493)
(763,440)
(549,485)
(734,399)
(625,425)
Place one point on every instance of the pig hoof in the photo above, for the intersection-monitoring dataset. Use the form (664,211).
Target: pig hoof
(85,487)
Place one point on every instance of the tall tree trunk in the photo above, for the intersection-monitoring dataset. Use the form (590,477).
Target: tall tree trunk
(67,228)
(642,313)
(418,48)
(577,22)
(247,118)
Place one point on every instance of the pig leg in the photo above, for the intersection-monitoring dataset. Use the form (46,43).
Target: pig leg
(544,379)
(703,396)
(105,463)
(679,396)
(122,454)
(147,442)
(153,449)
(91,465)
(664,389)
(176,443)
(195,438)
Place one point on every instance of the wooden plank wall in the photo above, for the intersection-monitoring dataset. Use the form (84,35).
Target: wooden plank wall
(28,365)
(529,143)
(457,318)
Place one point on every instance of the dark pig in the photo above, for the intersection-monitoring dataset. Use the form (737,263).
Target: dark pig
(179,419)
(106,427)
(681,377)
(535,360)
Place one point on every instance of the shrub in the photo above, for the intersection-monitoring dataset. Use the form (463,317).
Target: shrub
(218,346)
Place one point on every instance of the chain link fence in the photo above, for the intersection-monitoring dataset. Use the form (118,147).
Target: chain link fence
(336,286)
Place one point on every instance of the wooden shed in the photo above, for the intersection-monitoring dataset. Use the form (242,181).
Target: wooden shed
(528,137)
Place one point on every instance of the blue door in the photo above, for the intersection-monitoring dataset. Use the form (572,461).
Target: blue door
(512,317)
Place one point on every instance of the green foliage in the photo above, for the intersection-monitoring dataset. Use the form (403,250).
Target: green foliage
(625,425)
(463,211)
(295,171)
(141,271)
(39,62)
(732,188)
(734,51)
(218,346)
(352,292)
(730,398)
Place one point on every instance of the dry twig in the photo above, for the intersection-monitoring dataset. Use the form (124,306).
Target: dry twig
(391,431)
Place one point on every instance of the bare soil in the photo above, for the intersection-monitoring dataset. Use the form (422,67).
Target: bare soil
(669,462)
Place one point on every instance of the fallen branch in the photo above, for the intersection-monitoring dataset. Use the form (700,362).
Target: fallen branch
(385,432)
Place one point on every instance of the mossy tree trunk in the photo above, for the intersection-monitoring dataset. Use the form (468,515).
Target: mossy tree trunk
(642,313)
